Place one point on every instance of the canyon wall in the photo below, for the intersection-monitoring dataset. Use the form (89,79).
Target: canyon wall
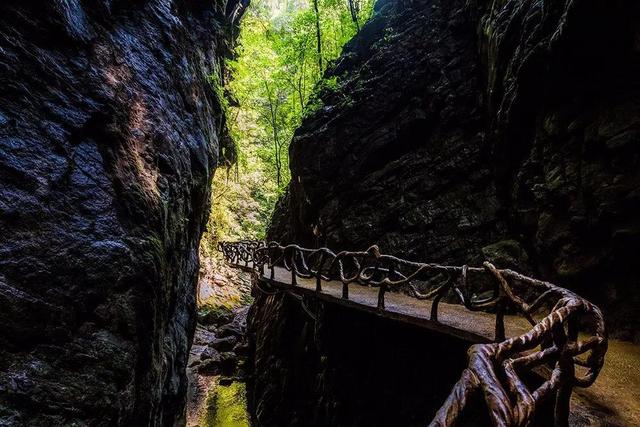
(110,130)
(464,130)
(456,131)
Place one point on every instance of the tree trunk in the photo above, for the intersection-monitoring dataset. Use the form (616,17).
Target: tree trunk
(318,35)
(273,110)
(303,62)
(354,14)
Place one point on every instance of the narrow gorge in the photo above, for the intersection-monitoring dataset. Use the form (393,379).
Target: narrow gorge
(139,137)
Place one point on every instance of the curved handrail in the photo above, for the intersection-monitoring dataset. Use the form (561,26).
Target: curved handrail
(568,332)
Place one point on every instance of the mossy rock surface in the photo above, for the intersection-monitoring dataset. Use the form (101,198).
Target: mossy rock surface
(211,314)
(227,406)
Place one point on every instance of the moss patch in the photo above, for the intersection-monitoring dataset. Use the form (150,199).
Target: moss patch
(214,313)
(227,407)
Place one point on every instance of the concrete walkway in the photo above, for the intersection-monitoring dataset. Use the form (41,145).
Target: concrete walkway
(453,319)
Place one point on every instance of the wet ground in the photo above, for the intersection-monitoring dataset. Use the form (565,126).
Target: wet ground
(217,393)
(214,400)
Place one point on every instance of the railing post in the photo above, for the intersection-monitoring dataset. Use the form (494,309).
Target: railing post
(345,290)
(441,293)
(381,292)
(384,287)
(563,395)
(319,274)
(434,307)
(567,373)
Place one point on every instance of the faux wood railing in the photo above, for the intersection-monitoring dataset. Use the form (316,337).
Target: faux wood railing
(567,335)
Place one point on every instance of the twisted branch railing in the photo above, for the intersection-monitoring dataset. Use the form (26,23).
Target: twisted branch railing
(567,336)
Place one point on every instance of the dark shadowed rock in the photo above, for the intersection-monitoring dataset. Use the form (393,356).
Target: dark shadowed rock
(225,381)
(465,130)
(242,349)
(110,129)
(231,330)
(228,362)
(457,131)
(210,367)
(237,327)
(210,353)
(400,157)
(203,336)
(194,363)
(224,344)
(507,254)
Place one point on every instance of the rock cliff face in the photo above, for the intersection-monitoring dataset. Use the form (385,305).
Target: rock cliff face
(464,130)
(110,129)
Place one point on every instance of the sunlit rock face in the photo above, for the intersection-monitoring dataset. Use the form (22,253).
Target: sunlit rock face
(110,130)
(468,130)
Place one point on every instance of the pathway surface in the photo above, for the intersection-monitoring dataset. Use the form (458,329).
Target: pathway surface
(614,399)
(453,319)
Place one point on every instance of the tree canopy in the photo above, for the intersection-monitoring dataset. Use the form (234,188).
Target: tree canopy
(283,50)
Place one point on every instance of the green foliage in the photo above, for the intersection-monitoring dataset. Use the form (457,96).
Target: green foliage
(274,76)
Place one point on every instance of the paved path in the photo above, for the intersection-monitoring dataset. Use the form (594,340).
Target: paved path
(453,319)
